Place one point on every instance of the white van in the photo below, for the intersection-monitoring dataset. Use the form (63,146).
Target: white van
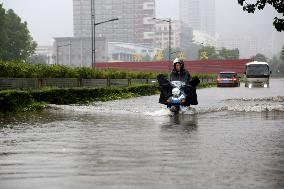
(257,74)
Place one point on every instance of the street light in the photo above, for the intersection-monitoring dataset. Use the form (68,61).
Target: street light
(170,32)
(111,20)
(175,52)
(57,51)
(93,25)
(94,39)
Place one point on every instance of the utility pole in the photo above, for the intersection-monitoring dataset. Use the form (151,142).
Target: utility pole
(170,41)
(93,31)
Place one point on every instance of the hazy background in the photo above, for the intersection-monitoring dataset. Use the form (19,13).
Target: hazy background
(53,18)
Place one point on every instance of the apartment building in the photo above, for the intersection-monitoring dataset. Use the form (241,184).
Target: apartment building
(135,24)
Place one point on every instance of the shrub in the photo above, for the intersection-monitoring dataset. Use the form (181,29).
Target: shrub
(24,70)
(12,100)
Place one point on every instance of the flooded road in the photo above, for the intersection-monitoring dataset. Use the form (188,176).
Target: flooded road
(234,138)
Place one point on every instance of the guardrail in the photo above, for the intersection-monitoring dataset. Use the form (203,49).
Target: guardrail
(37,83)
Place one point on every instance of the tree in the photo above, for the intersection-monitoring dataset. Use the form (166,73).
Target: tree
(146,58)
(3,33)
(260,57)
(277,63)
(211,53)
(274,64)
(282,54)
(260,4)
(207,53)
(227,54)
(16,42)
(38,59)
(281,62)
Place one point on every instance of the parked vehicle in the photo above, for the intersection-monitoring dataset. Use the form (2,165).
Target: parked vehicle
(257,74)
(228,79)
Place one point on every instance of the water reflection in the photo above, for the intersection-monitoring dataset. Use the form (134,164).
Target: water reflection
(29,119)
(185,123)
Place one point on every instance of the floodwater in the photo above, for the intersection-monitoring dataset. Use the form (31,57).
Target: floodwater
(234,138)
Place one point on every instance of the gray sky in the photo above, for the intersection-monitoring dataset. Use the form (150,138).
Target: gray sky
(53,18)
(46,18)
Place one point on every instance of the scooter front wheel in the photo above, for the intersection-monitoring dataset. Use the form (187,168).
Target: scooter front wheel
(174,109)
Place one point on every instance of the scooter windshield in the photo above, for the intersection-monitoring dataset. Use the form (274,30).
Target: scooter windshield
(178,84)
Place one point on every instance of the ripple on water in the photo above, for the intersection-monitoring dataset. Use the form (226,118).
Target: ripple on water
(267,104)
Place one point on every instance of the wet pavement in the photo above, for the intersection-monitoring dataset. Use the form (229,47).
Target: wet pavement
(234,138)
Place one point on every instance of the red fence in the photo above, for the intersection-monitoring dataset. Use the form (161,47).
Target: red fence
(199,66)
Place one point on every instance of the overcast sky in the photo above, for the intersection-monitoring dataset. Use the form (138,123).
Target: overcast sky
(53,18)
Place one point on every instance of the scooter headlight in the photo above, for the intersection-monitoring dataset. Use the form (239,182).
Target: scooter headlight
(176,92)
(250,85)
(265,85)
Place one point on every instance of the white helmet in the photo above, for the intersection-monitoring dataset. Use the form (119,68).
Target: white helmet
(177,60)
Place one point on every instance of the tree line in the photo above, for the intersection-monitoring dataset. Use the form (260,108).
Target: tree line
(211,53)
(276,63)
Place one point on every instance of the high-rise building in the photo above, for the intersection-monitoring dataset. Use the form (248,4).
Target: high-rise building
(181,36)
(198,14)
(162,35)
(135,24)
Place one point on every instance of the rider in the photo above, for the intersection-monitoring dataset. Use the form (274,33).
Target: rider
(179,74)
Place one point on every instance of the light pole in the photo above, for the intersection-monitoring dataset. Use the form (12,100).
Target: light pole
(94,32)
(170,38)
(57,51)
(92,26)
(196,47)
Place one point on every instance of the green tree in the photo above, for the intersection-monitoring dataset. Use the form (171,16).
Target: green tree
(208,53)
(38,59)
(16,42)
(260,57)
(277,63)
(211,53)
(3,32)
(227,54)
(146,58)
(281,62)
(274,64)
(260,4)
(282,54)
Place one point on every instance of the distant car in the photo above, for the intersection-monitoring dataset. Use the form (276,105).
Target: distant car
(228,79)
